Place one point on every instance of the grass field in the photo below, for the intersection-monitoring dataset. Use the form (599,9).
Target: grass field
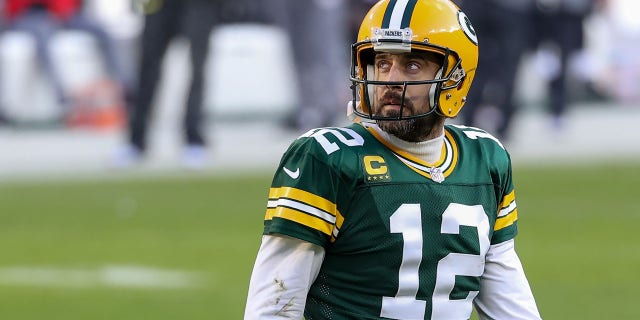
(183,247)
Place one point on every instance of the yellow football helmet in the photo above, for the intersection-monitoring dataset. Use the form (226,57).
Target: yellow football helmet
(397,26)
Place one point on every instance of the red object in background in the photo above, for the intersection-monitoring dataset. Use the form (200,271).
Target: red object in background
(98,105)
(62,9)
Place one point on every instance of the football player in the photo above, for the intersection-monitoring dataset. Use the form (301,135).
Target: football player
(397,216)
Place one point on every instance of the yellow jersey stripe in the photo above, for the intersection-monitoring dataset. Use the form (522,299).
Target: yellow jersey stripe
(454,153)
(304,197)
(301,218)
(420,172)
(506,221)
(288,203)
(507,199)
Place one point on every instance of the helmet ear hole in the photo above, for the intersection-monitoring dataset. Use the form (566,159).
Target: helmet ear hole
(461,84)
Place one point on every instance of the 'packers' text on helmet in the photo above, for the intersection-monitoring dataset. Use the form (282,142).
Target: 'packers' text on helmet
(397,26)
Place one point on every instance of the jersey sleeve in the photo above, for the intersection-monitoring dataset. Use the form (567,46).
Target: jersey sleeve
(304,194)
(498,161)
(505,227)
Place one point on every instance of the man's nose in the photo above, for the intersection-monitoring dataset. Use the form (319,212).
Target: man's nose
(394,75)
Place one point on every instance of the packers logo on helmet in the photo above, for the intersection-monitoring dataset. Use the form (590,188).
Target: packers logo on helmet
(467,28)
(396,26)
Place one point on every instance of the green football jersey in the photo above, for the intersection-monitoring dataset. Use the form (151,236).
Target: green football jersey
(403,239)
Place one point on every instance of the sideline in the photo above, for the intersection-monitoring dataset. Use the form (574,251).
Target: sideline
(592,133)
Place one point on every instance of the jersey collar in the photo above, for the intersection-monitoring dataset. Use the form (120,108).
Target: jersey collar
(436,171)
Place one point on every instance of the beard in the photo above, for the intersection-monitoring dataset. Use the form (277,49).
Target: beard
(411,130)
(399,128)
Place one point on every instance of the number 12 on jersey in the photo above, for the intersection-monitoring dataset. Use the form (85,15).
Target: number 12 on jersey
(407,220)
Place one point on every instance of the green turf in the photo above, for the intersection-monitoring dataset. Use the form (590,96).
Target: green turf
(206,225)
(577,240)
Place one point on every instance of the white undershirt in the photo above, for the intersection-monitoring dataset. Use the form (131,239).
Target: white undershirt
(428,151)
(286,267)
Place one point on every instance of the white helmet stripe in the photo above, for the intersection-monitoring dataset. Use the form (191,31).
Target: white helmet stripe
(397,14)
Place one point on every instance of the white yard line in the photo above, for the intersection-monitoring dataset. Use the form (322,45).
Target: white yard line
(121,276)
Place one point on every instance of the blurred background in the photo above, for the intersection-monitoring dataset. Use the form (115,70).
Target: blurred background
(72,100)
(137,140)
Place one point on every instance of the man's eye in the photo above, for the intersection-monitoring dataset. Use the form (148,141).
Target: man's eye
(413,66)
(384,65)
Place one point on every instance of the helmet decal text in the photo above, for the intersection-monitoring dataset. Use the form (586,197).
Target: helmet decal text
(383,40)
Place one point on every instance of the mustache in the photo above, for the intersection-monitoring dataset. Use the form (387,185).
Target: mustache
(394,97)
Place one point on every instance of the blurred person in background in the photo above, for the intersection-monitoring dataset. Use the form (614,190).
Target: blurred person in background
(43,18)
(505,31)
(164,21)
(618,34)
(559,26)
(396,216)
(318,31)
(3,119)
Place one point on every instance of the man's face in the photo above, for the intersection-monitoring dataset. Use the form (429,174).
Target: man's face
(388,98)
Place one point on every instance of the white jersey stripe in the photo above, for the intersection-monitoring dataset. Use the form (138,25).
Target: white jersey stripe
(507,210)
(302,207)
